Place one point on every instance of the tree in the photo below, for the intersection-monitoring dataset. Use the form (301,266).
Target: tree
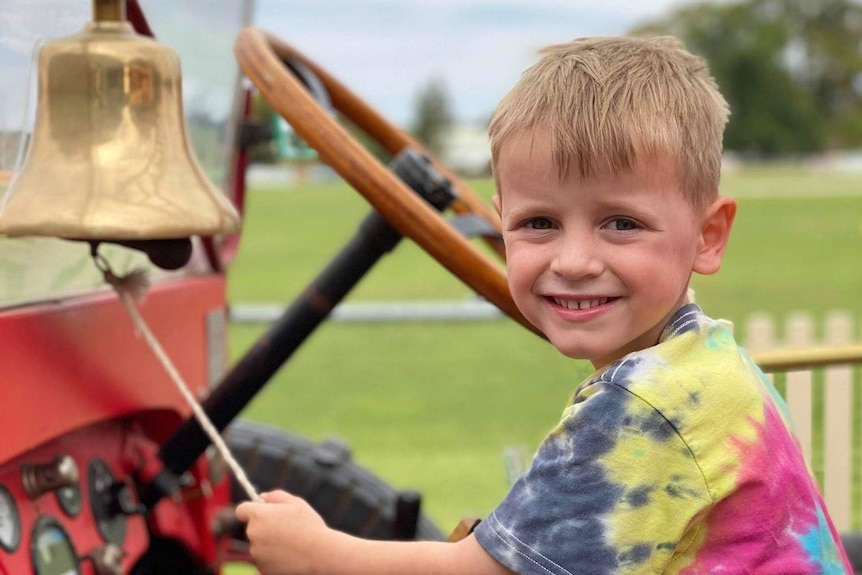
(433,115)
(263,150)
(789,69)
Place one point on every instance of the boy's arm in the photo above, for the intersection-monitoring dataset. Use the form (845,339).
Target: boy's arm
(289,538)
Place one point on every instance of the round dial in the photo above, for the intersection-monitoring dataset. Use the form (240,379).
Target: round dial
(10,522)
(51,549)
(103,501)
(69,498)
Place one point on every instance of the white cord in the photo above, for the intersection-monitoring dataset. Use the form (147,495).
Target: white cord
(125,287)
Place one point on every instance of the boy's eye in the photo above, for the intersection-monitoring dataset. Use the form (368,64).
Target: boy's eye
(622,224)
(539,224)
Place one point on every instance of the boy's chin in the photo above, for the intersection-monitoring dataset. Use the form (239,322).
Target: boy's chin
(574,350)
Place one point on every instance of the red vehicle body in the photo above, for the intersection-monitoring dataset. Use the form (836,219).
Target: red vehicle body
(86,403)
(62,362)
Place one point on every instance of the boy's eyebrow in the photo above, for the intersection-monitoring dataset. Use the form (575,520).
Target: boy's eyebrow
(524,207)
(629,206)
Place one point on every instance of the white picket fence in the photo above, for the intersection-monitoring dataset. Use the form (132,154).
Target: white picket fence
(833,391)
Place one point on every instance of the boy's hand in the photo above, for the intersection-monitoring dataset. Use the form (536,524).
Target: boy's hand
(287,536)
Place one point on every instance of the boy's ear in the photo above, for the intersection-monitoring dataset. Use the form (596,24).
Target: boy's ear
(714,233)
(497,206)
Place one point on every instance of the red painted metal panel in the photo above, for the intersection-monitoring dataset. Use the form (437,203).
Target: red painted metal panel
(68,364)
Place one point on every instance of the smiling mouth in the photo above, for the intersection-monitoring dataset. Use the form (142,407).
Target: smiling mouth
(581,304)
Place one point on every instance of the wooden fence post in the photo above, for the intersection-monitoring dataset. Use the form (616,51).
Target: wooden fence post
(799,332)
(838,426)
(760,334)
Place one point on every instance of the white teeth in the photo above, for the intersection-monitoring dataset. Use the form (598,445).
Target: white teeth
(580,304)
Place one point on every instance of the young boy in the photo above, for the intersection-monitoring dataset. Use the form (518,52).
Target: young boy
(675,456)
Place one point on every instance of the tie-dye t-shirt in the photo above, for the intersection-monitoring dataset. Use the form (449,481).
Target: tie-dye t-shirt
(674,459)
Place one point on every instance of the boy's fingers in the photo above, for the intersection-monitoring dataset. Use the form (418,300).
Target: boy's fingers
(277,497)
(243,511)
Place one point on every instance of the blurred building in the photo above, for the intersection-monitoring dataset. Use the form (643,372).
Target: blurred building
(467,150)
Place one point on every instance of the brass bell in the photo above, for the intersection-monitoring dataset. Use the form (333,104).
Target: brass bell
(109,159)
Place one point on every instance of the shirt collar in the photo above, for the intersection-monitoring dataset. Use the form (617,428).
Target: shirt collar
(687,318)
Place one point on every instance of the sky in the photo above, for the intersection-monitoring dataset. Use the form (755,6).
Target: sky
(388,50)
(384,50)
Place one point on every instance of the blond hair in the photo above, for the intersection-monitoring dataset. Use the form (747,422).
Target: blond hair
(606,100)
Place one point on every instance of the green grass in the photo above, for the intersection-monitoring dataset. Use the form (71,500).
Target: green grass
(431,406)
(290,234)
(427,406)
(786,253)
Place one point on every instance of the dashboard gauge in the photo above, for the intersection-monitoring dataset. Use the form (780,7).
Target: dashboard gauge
(69,498)
(51,549)
(104,493)
(10,522)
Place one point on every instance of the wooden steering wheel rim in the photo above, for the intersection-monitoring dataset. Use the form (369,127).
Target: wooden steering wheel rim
(260,56)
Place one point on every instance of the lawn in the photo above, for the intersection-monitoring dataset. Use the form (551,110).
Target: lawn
(431,406)
(786,217)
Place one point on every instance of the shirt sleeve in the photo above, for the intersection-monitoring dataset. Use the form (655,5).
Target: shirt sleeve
(613,489)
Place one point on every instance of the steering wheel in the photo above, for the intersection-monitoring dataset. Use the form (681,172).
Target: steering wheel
(261,57)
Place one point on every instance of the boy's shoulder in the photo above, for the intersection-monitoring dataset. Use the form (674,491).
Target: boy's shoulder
(696,360)
(696,382)
(690,341)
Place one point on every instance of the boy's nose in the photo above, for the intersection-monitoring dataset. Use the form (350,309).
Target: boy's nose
(576,258)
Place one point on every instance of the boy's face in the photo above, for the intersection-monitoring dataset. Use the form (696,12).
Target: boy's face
(598,264)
